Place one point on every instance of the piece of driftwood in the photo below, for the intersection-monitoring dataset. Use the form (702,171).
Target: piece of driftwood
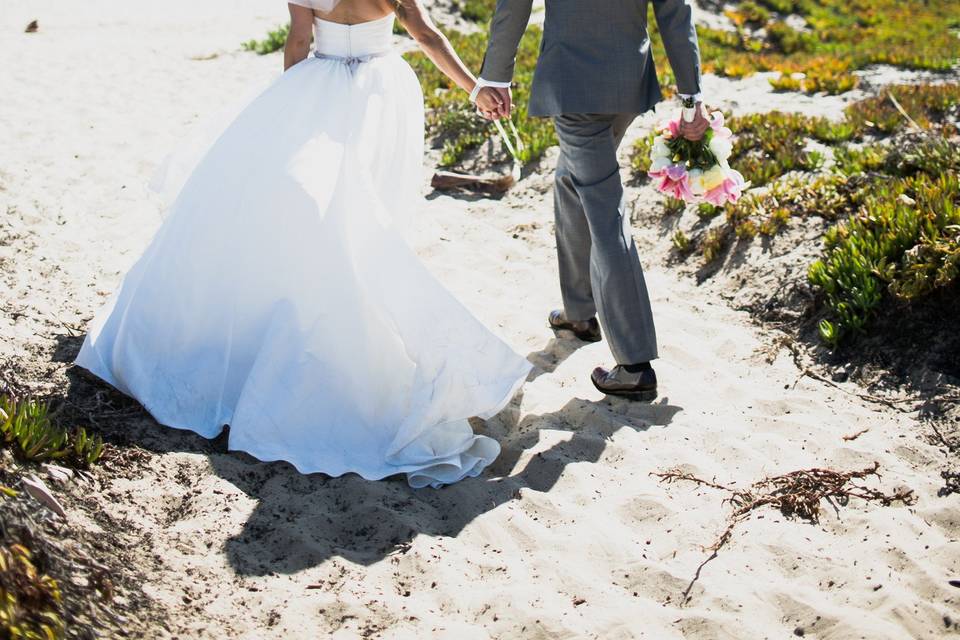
(448,180)
(32,27)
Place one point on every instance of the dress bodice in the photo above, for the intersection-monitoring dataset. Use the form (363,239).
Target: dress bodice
(353,40)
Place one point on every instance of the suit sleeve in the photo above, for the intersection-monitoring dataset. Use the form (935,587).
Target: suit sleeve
(675,20)
(506,29)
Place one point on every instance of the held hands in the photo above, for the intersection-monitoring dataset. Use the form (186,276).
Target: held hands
(494,103)
(695,129)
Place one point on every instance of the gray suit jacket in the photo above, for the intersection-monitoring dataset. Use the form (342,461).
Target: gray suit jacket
(595,56)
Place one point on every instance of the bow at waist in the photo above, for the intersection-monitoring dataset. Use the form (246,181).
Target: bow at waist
(350,61)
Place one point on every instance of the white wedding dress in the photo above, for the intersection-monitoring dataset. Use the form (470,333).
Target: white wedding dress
(280,298)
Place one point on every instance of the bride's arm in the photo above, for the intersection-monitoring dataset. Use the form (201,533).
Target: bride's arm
(297,47)
(418,24)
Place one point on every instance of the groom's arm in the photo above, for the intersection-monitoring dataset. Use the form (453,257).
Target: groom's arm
(675,20)
(506,29)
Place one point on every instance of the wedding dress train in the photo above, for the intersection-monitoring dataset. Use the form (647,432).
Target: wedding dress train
(280,298)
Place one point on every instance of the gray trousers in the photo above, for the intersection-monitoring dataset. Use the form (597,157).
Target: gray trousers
(600,270)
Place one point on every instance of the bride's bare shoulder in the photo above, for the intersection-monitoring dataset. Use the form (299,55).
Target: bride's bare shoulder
(350,11)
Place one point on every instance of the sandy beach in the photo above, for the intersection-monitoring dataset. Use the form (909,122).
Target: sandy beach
(568,535)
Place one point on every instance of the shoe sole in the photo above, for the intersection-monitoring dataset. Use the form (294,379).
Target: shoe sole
(585,337)
(647,395)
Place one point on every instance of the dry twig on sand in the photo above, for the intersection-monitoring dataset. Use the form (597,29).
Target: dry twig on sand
(853,436)
(951,445)
(903,112)
(892,403)
(805,371)
(795,494)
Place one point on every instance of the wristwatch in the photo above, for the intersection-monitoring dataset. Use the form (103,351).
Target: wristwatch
(689,102)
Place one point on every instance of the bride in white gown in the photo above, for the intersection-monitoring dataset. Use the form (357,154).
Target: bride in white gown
(279,296)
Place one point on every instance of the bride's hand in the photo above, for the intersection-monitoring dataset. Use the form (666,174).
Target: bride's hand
(489,103)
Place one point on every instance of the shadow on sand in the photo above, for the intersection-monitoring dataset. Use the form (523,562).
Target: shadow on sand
(302,520)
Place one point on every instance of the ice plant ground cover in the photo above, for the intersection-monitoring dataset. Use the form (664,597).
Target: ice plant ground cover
(902,243)
(39,597)
(696,171)
(816,45)
(890,204)
(27,428)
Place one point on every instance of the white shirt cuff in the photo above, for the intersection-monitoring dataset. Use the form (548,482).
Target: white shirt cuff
(697,97)
(481,83)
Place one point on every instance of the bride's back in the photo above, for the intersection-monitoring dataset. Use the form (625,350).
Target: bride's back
(357,11)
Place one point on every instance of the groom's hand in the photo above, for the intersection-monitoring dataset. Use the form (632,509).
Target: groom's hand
(495,103)
(489,103)
(695,129)
(506,101)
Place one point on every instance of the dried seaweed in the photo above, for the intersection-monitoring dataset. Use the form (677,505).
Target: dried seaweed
(796,494)
(951,484)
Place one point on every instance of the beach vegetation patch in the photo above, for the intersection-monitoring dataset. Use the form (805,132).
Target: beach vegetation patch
(903,242)
(31,606)
(274,41)
(818,45)
(27,428)
(476,10)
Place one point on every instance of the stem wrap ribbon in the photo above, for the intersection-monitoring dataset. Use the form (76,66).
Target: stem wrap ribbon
(514,147)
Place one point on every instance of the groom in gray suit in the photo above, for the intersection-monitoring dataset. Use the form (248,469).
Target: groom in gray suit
(594,76)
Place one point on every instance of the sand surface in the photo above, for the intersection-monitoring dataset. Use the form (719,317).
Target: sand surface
(568,535)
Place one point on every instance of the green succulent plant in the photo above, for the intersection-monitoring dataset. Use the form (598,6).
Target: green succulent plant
(274,41)
(904,242)
(840,37)
(27,428)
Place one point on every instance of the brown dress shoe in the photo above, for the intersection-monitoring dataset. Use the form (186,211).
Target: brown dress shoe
(641,385)
(586,330)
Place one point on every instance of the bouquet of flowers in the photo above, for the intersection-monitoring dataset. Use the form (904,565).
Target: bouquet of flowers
(696,171)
